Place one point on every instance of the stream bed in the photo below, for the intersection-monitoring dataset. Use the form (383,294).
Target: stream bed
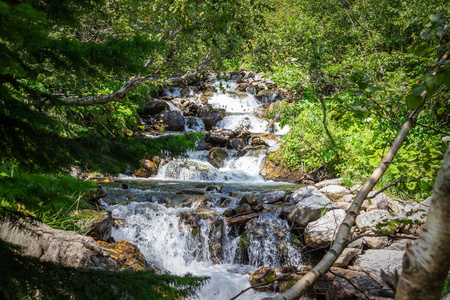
(178,217)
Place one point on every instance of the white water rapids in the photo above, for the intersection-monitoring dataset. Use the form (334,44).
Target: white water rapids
(209,247)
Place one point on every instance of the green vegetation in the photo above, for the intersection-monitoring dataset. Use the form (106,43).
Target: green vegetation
(365,64)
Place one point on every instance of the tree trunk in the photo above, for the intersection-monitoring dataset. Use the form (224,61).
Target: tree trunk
(427,263)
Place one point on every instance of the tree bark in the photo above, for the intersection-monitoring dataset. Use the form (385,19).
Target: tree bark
(427,263)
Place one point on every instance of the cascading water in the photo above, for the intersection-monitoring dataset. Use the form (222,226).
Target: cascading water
(181,229)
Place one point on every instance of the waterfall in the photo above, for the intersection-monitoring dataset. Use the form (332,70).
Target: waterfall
(178,223)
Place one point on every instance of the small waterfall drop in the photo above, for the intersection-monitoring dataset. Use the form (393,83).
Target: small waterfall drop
(176,218)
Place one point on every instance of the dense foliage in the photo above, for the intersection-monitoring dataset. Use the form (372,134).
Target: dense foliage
(367,62)
(53,51)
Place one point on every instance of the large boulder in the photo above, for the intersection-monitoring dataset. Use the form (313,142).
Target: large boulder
(171,120)
(380,201)
(335,191)
(67,248)
(309,209)
(236,144)
(271,170)
(272,197)
(217,156)
(390,261)
(155,107)
(220,136)
(148,168)
(324,183)
(211,118)
(126,254)
(342,284)
(261,276)
(369,220)
(323,231)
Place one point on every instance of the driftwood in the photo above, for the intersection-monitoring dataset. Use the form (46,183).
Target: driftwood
(241,219)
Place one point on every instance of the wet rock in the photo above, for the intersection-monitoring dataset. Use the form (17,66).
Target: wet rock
(324,183)
(346,256)
(200,202)
(286,269)
(376,260)
(250,199)
(263,275)
(204,98)
(125,186)
(94,223)
(258,207)
(205,146)
(273,171)
(170,120)
(272,197)
(260,111)
(257,141)
(212,117)
(339,287)
(190,109)
(212,189)
(323,231)
(216,157)
(66,248)
(236,144)
(266,96)
(224,202)
(228,189)
(191,192)
(242,133)
(335,192)
(369,220)
(148,169)
(220,136)
(244,208)
(126,254)
(155,107)
(158,199)
(230,212)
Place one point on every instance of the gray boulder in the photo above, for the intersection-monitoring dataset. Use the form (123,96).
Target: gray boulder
(335,191)
(220,136)
(171,120)
(369,220)
(155,107)
(324,183)
(309,209)
(376,260)
(236,144)
(322,232)
(272,197)
(217,156)
(211,118)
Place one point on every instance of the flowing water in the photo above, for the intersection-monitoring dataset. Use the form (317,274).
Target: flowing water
(180,228)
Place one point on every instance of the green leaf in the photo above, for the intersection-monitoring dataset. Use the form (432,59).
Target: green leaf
(440,111)
(434,17)
(446,78)
(425,35)
(433,81)
(419,90)
(413,102)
